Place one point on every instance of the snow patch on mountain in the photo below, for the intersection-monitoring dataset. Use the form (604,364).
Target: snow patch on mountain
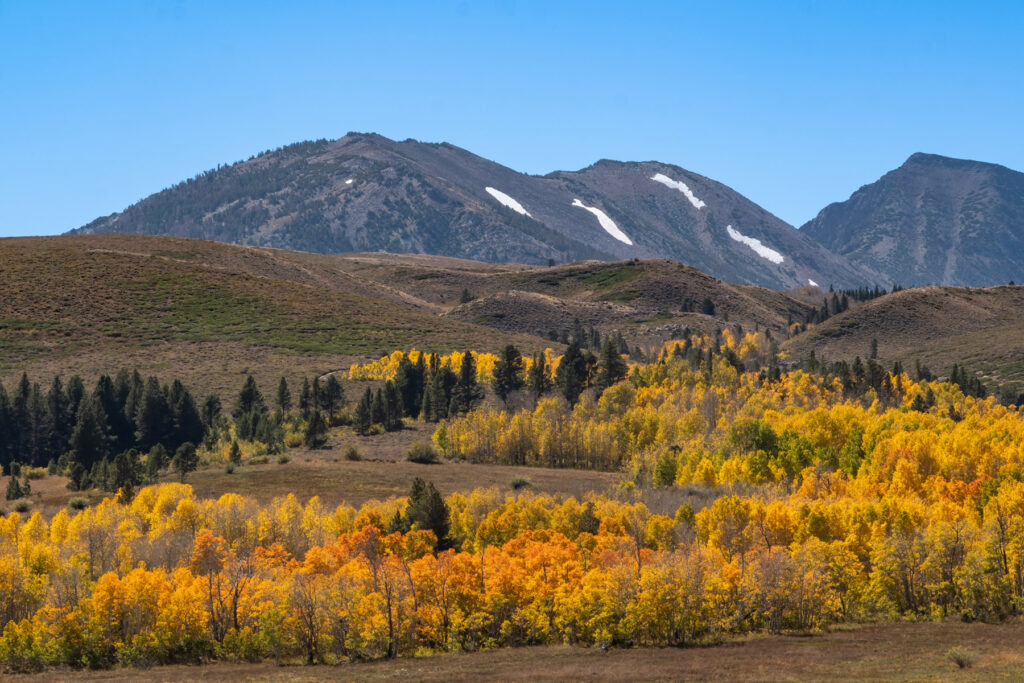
(681,186)
(505,200)
(755,244)
(811,282)
(607,223)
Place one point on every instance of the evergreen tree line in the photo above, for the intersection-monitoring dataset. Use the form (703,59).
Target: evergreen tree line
(590,337)
(866,293)
(75,428)
(828,308)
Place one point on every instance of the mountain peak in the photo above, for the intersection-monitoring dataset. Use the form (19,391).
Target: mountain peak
(926,160)
(366,192)
(935,219)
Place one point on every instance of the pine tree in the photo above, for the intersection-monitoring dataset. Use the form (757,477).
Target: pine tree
(537,379)
(250,398)
(508,373)
(78,478)
(90,439)
(427,510)
(305,398)
(122,431)
(75,393)
(126,474)
(315,435)
(185,460)
(13,489)
(392,407)
(19,416)
(59,418)
(154,420)
(156,461)
(284,396)
(188,423)
(235,454)
(467,392)
(611,367)
(211,411)
(410,381)
(427,409)
(249,407)
(571,373)
(8,430)
(378,410)
(40,429)
(364,413)
(331,397)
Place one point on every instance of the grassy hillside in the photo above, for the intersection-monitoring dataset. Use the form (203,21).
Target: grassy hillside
(639,298)
(210,312)
(981,328)
(203,311)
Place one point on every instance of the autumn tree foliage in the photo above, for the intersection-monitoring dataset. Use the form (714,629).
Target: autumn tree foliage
(815,495)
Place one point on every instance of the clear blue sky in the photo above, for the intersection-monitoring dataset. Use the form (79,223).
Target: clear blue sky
(793,104)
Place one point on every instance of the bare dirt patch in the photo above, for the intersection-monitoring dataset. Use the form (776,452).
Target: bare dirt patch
(875,652)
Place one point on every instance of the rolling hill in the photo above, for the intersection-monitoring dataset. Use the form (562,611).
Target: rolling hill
(933,220)
(210,312)
(364,192)
(202,311)
(939,326)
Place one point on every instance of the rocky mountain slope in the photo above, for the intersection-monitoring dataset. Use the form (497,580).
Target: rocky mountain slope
(933,220)
(364,192)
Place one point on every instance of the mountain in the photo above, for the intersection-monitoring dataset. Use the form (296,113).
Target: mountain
(364,192)
(933,220)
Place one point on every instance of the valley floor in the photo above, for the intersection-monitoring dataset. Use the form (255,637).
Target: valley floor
(901,651)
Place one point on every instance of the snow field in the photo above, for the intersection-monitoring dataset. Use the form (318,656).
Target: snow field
(755,244)
(681,186)
(607,223)
(505,200)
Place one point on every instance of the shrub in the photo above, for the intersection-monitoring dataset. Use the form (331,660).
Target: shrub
(284,458)
(34,472)
(23,506)
(961,657)
(352,453)
(78,503)
(520,483)
(229,468)
(422,453)
(259,460)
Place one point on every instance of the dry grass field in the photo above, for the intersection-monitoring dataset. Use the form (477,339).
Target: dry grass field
(382,473)
(207,313)
(884,652)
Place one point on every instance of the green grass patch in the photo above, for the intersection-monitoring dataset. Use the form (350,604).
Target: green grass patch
(25,338)
(623,296)
(607,278)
